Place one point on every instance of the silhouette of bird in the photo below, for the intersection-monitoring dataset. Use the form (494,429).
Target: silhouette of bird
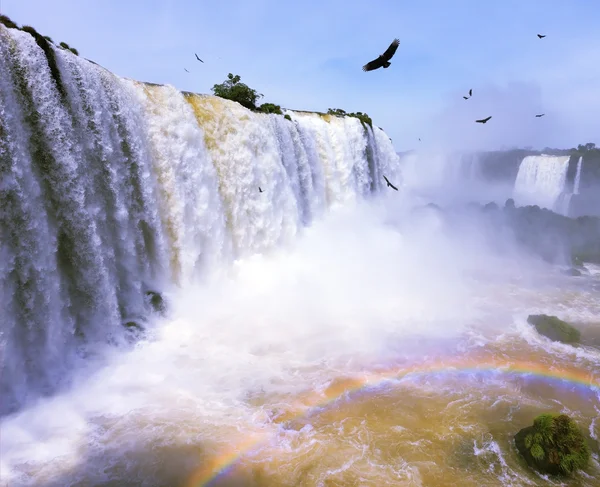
(471,92)
(186,70)
(389,184)
(466,97)
(541,36)
(384,59)
(198,58)
(483,120)
(260,190)
(540,115)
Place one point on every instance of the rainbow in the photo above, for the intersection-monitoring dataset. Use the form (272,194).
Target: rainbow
(223,463)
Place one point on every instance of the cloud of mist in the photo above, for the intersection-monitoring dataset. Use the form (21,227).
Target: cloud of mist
(512,106)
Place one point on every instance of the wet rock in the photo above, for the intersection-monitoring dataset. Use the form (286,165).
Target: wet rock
(553,445)
(133,325)
(554,328)
(572,272)
(156,301)
(510,204)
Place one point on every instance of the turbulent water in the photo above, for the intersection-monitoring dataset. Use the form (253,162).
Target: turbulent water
(281,303)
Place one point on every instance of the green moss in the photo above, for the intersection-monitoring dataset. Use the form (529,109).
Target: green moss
(554,328)
(6,22)
(270,108)
(50,57)
(49,39)
(287,117)
(554,445)
(74,51)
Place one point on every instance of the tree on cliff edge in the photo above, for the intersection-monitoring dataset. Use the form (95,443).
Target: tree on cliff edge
(233,89)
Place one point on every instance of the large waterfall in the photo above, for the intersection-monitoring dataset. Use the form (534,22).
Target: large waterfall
(110,188)
(541,181)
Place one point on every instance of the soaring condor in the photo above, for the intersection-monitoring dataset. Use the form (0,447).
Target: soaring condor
(383,61)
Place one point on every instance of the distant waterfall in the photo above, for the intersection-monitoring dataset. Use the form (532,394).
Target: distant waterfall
(110,188)
(578,176)
(541,181)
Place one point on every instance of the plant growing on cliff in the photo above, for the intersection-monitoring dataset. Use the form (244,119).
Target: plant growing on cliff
(66,46)
(6,22)
(233,89)
(363,117)
(270,108)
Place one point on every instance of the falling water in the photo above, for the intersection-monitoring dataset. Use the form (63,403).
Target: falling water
(111,188)
(578,176)
(541,181)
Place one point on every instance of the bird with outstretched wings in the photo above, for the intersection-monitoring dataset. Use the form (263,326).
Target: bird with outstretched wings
(383,61)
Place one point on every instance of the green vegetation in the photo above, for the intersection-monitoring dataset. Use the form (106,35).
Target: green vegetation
(270,108)
(554,445)
(6,22)
(233,89)
(363,117)
(554,328)
(287,117)
(49,39)
(66,46)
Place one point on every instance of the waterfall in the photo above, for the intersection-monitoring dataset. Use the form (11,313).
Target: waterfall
(110,188)
(541,181)
(578,176)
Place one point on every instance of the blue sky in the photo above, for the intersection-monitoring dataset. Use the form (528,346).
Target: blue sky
(308,55)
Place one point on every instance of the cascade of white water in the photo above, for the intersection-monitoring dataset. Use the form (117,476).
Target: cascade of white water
(578,176)
(541,181)
(110,188)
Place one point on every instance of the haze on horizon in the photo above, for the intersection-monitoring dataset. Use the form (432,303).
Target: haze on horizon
(309,56)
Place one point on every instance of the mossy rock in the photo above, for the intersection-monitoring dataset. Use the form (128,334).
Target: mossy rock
(156,301)
(554,328)
(553,445)
(287,117)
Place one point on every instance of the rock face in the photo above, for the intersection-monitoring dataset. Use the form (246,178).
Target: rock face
(156,301)
(554,328)
(553,445)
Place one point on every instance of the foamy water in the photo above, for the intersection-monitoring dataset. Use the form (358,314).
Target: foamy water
(253,360)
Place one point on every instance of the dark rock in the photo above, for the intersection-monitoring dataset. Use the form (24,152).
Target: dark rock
(133,325)
(510,204)
(572,272)
(554,328)
(157,302)
(553,445)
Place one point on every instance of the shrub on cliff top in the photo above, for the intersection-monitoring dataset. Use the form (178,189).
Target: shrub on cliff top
(363,117)
(270,108)
(233,89)
(6,22)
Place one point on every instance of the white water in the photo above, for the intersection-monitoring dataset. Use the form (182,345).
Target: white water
(541,181)
(578,176)
(169,184)
(119,187)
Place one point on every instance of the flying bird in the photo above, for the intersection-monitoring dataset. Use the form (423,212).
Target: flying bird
(540,115)
(389,184)
(384,59)
(541,36)
(198,58)
(186,70)
(260,190)
(483,120)
(466,97)
(471,92)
